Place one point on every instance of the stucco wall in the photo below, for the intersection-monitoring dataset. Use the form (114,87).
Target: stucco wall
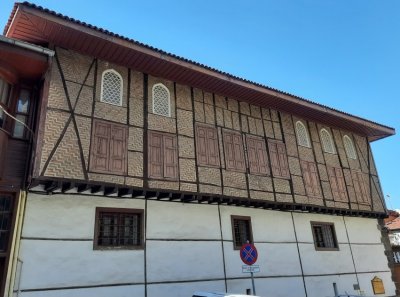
(189,247)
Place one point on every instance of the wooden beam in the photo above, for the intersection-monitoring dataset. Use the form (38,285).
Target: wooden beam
(66,186)
(52,186)
(163,195)
(83,187)
(125,192)
(138,193)
(96,188)
(110,190)
(176,196)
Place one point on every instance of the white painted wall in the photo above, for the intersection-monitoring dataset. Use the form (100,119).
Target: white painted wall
(185,253)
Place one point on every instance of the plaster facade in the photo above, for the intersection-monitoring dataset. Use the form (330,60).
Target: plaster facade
(191,252)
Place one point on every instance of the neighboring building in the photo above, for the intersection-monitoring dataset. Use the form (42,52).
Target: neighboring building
(140,173)
(392,225)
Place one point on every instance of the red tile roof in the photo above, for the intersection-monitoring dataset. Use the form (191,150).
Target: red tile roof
(160,63)
(393,225)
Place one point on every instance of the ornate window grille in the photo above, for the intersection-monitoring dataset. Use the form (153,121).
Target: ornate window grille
(302,135)
(327,142)
(349,147)
(111,87)
(161,100)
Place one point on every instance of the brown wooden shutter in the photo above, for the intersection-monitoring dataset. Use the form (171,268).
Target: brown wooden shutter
(283,163)
(207,146)
(341,184)
(252,154)
(117,162)
(273,152)
(229,151)
(333,182)
(257,155)
(310,176)
(360,187)
(202,143)
(101,146)
(155,155)
(262,156)
(338,184)
(307,177)
(234,155)
(212,147)
(170,156)
(240,163)
(364,188)
(315,180)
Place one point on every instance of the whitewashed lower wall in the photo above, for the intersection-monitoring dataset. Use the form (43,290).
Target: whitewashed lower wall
(189,248)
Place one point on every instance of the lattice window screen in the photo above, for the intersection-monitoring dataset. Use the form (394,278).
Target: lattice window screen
(111,91)
(349,147)
(327,142)
(161,100)
(302,135)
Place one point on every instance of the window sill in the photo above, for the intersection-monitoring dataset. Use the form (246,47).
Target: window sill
(118,248)
(318,249)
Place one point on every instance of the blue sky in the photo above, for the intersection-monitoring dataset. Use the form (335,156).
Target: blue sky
(344,54)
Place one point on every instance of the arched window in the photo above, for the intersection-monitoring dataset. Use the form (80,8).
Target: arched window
(327,141)
(302,135)
(111,87)
(161,100)
(349,147)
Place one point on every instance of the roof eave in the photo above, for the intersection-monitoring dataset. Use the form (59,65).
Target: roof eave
(381,130)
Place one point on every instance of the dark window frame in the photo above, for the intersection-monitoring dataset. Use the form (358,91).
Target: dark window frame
(240,218)
(11,107)
(6,105)
(27,115)
(315,224)
(118,211)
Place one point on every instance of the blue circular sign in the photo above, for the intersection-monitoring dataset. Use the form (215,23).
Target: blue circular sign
(248,254)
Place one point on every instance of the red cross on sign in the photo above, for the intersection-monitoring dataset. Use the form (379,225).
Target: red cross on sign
(248,254)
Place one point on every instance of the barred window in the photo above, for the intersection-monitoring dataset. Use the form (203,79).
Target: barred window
(111,87)
(241,229)
(302,135)
(324,236)
(161,100)
(327,141)
(349,147)
(118,228)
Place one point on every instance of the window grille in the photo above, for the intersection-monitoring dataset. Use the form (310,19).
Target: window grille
(119,228)
(302,134)
(349,147)
(111,90)
(327,141)
(241,231)
(324,236)
(161,100)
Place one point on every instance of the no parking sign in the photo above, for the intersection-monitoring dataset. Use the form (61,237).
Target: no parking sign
(248,254)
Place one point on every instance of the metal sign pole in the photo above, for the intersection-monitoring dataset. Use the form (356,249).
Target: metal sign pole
(252,282)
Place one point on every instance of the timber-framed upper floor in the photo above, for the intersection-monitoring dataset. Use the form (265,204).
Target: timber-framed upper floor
(117,116)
